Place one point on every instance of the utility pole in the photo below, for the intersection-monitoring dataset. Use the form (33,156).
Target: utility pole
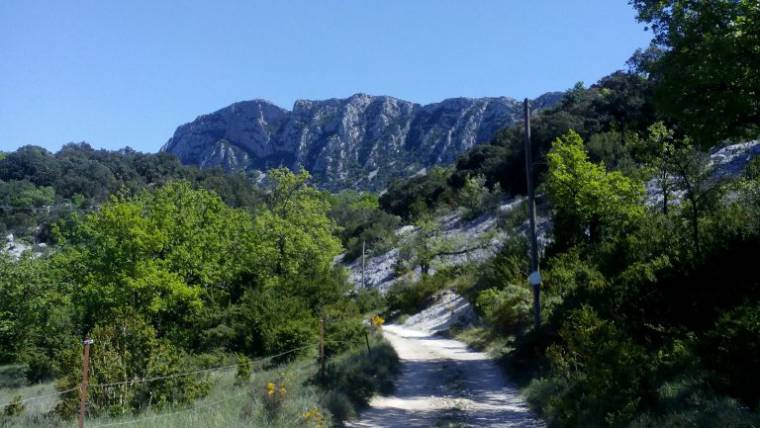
(364,242)
(535,278)
(85,374)
(322,349)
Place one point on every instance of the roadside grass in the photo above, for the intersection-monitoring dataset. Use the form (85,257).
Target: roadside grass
(354,377)
(289,395)
(13,384)
(483,339)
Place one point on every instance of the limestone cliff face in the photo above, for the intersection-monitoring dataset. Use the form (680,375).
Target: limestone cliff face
(359,142)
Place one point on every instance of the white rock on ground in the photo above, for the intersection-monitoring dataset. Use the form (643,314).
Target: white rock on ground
(481,234)
(442,381)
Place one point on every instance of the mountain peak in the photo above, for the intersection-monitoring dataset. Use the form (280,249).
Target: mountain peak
(362,141)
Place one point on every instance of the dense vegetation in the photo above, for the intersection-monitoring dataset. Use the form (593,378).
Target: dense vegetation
(651,300)
(170,269)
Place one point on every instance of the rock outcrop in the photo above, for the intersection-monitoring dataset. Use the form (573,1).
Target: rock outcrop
(359,142)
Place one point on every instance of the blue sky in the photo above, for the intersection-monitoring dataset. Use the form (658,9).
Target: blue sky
(128,73)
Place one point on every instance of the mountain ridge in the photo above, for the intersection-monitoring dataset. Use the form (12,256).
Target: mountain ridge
(360,142)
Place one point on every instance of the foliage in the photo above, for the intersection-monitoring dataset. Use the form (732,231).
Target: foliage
(604,375)
(590,204)
(616,111)
(14,408)
(368,300)
(35,320)
(409,298)
(731,352)
(293,235)
(706,68)
(419,249)
(476,198)
(37,188)
(126,351)
(419,195)
(161,253)
(363,224)
(264,323)
(243,375)
(353,378)
(506,309)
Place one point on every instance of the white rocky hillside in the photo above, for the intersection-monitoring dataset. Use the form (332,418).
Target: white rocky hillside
(466,241)
(478,239)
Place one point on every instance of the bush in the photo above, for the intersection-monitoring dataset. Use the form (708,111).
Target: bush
(243,375)
(684,404)
(409,298)
(414,197)
(353,378)
(731,352)
(125,352)
(369,300)
(266,323)
(14,408)
(603,376)
(477,198)
(361,221)
(506,310)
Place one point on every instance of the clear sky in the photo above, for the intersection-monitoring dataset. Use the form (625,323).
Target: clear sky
(127,73)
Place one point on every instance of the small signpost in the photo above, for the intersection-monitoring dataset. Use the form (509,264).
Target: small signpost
(85,374)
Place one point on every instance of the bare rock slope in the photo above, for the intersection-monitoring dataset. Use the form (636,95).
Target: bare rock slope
(360,142)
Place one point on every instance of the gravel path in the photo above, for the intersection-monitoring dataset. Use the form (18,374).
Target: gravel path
(444,383)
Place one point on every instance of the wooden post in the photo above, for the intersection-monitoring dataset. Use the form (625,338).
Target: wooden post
(85,374)
(535,277)
(364,283)
(366,339)
(322,348)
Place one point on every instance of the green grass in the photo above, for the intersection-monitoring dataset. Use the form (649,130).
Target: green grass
(485,340)
(13,384)
(353,377)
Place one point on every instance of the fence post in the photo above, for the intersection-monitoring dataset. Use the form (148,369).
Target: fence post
(85,374)
(322,348)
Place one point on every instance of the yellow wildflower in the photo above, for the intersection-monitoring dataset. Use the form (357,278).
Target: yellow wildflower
(377,321)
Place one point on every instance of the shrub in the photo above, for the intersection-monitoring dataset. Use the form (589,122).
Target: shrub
(409,298)
(353,378)
(369,299)
(14,408)
(476,197)
(602,373)
(342,334)
(731,351)
(125,352)
(243,374)
(266,323)
(507,309)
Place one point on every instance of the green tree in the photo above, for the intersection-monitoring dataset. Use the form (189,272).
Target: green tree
(589,204)
(163,253)
(707,72)
(294,236)
(35,315)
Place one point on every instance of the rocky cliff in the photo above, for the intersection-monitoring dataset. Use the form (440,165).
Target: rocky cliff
(359,142)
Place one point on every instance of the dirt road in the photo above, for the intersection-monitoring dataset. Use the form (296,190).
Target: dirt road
(443,383)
